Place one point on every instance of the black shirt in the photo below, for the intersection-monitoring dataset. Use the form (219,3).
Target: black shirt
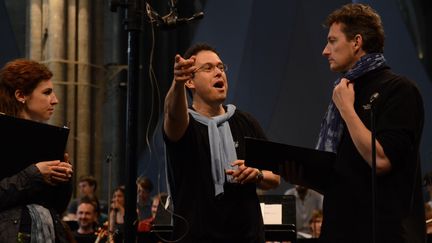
(399,204)
(233,217)
(84,238)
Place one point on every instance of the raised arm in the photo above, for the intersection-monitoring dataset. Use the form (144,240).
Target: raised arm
(176,117)
(343,97)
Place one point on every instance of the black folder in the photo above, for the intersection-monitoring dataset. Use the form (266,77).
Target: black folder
(298,165)
(24,142)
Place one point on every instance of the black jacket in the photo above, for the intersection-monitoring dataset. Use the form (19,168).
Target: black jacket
(28,187)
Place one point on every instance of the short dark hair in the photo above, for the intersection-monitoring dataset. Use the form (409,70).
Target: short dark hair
(360,19)
(19,74)
(197,48)
(90,200)
(89,179)
(145,183)
(121,189)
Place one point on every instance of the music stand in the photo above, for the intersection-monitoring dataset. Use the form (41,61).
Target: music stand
(162,227)
(286,231)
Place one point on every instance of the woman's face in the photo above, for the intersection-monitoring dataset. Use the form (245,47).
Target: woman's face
(39,105)
(118,197)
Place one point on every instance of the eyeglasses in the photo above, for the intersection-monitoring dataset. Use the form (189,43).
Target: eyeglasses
(208,67)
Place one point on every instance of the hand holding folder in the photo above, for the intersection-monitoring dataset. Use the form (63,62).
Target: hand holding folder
(25,142)
(297,165)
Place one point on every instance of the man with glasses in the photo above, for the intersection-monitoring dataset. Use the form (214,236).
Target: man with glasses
(213,192)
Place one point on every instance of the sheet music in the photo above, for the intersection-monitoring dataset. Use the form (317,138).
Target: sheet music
(272,213)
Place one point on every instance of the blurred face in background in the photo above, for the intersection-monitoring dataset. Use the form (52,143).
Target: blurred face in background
(143,194)
(85,189)
(118,199)
(155,206)
(86,216)
(316,227)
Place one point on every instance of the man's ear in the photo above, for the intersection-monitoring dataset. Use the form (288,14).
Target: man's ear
(19,95)
(190,84)
(358,42)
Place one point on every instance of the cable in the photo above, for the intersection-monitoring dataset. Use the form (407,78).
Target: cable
(155,91)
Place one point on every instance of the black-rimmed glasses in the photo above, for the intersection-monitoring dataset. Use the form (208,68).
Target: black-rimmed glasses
(209,67)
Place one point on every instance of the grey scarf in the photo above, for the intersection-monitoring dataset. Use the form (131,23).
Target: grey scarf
(222,149)
(42,227)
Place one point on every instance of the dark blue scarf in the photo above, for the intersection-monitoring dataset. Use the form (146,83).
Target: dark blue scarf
(332,125)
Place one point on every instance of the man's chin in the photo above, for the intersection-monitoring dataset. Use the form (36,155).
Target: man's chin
(335,68)
(221,99)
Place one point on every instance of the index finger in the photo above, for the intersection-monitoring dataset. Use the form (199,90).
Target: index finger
(179,59)
(238,162)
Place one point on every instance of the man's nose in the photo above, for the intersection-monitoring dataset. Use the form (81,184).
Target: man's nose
(217,70)
(326,51)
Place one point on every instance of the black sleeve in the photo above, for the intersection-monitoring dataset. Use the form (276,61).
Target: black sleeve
(400,122)
(19,188)
(28,186)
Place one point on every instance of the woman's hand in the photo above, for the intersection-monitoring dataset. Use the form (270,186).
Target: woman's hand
(55,171)
(116,205)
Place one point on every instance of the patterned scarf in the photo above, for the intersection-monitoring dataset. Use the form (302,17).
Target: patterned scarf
(42,226)
(332,125)
(222,149)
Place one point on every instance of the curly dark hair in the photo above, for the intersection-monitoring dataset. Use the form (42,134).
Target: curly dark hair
(23,75)
(363,20)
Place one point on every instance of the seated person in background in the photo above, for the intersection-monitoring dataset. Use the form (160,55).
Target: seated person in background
(117,212)
(315,223)
(112,230)
(146,224)
(87,219)
(307,201)
(86,188)
(144,204)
